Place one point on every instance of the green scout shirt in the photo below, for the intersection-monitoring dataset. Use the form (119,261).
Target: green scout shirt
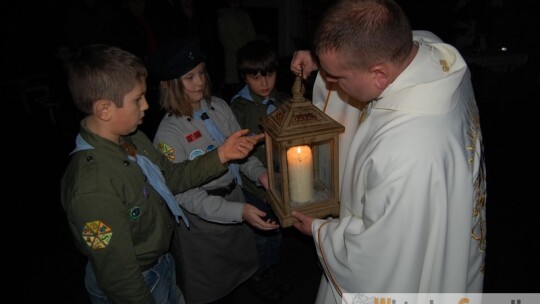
(249,114)
(117,218)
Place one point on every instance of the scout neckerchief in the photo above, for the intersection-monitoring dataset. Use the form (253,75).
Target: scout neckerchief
(220,139)
(269,102)
(152,172)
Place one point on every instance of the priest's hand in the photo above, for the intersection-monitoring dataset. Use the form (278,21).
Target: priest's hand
(304,223)
(303,63)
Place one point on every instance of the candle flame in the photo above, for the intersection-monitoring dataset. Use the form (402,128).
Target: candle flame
(298,153)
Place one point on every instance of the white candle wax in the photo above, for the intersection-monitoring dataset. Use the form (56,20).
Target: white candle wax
(300,163)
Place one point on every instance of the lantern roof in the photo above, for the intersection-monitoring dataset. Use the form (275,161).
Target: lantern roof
(298,117)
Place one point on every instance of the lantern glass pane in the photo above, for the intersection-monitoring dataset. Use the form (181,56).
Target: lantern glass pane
(277,170)
(322,154)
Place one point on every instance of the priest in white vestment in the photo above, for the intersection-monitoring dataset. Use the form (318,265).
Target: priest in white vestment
(412,217)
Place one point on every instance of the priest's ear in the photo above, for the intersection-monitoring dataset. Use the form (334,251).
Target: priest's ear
(103,109)
(381,75)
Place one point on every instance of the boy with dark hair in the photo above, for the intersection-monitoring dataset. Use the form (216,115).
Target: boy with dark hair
(257,65)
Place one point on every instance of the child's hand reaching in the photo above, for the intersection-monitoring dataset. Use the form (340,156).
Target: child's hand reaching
(238,145)
(255,218)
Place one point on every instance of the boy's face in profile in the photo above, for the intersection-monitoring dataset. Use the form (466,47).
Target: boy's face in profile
(260,84)
(130,115)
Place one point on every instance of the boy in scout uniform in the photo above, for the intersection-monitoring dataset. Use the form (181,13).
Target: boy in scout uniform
(258,63)
(117,189)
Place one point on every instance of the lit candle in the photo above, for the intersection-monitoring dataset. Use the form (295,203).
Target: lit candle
(300,163)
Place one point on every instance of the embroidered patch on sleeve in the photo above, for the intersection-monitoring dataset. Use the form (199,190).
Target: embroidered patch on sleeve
(96,234)
(166,150)
(195,153)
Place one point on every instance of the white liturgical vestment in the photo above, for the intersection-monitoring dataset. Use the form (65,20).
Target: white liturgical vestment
(343,109)
(412,214)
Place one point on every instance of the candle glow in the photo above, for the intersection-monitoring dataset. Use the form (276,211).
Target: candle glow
(300,163)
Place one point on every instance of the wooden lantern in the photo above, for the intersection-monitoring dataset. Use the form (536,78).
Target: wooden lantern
(302,159)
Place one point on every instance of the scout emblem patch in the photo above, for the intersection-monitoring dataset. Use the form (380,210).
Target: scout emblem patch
(166,150)
(96,234)
(193,136)
(195,153)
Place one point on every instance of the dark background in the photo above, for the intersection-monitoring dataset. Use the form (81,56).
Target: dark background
(39,124)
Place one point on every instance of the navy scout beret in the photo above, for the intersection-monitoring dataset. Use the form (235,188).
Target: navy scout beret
(175,58)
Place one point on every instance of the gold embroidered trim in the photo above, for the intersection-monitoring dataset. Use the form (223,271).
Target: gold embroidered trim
(478,231)
(363,115)
(324,263)
(444,65)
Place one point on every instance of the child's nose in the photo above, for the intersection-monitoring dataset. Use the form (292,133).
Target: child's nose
(145,105)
